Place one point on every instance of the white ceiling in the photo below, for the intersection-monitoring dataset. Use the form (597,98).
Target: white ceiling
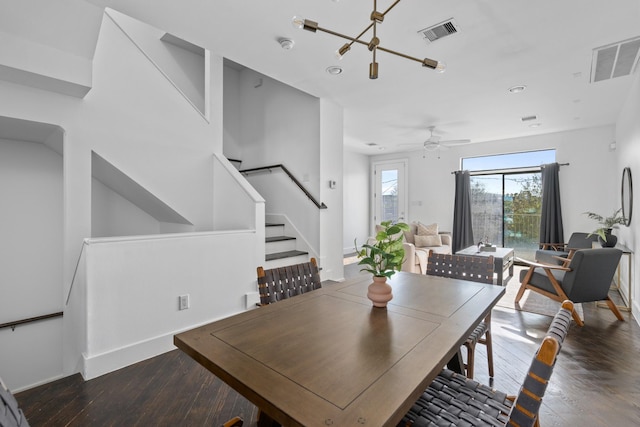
(545,45)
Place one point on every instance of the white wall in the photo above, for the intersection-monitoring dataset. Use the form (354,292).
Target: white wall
(331,151)
(628,155)
(185,68)
(583,185)
(280,125)
(232,119)
(133,285)
(137,119)
(30,261)
(356,178)
(113,215)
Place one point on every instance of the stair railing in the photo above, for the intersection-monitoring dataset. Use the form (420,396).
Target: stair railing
(15,323)
(320,205)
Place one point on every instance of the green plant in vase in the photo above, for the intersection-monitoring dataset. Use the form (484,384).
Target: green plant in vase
(384,257)
(608,223)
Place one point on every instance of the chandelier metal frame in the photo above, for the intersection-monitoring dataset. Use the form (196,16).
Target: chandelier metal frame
(373,45)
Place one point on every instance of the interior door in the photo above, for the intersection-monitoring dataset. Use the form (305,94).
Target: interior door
(389,191)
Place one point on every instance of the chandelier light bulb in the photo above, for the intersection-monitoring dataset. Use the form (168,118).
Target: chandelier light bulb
(342,51)
(441,67)
(297,22)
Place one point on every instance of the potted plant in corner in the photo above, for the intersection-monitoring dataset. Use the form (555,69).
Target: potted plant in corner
(382,258)
(608,223)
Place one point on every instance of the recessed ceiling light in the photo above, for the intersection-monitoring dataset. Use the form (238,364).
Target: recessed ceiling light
(517,89)
(535,125)
(334,70)
(286,44)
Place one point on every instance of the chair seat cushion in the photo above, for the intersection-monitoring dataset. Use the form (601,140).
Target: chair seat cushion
(454,400)
(539,279)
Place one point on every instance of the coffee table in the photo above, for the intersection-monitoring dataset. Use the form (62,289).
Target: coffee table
(502,257)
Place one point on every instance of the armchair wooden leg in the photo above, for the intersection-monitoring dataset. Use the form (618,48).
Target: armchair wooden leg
(523,286)
(613,307)
(577,318)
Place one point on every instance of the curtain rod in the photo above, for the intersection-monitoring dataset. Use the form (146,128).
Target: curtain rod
(523,169)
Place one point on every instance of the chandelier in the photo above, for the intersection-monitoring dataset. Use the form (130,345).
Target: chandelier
(373,45)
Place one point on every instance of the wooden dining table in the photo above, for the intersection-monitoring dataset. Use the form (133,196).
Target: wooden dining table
(329,358)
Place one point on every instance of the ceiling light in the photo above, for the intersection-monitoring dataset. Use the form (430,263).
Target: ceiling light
(286,44)
(334,70)
(373,44)
(535,125)
(517,89)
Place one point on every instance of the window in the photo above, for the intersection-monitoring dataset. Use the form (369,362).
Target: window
(506,199)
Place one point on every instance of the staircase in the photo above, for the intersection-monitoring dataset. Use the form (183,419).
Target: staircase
(280,249)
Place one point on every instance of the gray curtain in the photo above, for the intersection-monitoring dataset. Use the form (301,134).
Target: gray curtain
(551,229)
(462,227)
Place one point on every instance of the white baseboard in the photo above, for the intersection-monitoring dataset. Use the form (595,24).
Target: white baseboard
(100,364)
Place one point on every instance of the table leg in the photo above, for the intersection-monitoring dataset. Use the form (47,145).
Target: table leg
(265,420)
(456,364)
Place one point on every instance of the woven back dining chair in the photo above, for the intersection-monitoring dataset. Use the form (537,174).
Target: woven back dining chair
(453,400)
(475,269)
(280,283)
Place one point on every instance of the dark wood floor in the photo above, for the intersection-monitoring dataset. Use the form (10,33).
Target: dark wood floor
(596,381)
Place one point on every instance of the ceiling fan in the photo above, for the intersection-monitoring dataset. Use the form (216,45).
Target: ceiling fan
(434,142)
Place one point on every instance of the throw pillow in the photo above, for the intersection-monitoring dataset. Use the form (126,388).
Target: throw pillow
(427,230)
(431,240)
(411,232)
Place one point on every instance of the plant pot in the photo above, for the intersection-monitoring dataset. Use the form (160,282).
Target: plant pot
(611,239)
(379,292)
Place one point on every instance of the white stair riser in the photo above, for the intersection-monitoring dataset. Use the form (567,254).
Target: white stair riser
(283,246)
(286,261)
(274,231)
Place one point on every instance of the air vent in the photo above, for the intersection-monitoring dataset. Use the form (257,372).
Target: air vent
(616,60)
(371,144)
(438,31)
(529,118)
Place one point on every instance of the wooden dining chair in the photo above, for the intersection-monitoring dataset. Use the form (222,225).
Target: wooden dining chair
(452,399)
(475,269)
(234,422)
(284,282)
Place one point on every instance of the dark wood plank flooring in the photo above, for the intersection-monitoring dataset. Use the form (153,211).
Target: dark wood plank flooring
(596,381)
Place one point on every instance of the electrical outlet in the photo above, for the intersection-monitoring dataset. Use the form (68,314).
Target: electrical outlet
(183,302)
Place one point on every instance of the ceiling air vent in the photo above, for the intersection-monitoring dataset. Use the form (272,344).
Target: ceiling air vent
(616,60)
(438,31)
(528,118)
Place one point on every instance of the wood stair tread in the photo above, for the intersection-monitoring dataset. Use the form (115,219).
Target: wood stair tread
(286,254)
(278,239)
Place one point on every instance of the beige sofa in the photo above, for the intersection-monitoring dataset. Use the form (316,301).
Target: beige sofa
(418,241)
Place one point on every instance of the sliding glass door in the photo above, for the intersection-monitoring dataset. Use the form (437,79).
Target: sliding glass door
(506,210)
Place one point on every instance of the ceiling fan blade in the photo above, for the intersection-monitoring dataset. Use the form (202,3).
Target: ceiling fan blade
(455,142)
(412,144)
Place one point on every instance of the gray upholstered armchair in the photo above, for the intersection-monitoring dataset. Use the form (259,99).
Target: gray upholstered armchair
(586,278)
(549,252)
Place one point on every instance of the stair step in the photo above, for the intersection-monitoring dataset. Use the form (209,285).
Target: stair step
(286,254)
(278,239)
